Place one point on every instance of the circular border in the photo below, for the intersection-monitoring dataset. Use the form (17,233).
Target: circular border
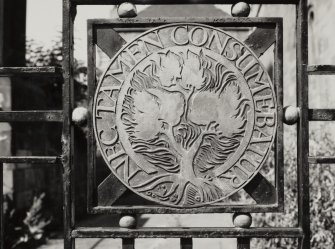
(128,44)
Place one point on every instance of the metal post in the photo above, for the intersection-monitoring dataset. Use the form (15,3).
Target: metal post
(1,208)
(186,243)
(67,134)
(128,243)
(303,126)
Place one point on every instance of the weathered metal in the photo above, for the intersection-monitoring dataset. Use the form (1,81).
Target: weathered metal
(127,10)
(303,125)
(31,116)
(268,197)
(240,9)
(321,69)
(69,13)
(179,123)
(321,114)
(187,232)
(302,232)
(291,115)
(321,159)
(116,2)
(14,71)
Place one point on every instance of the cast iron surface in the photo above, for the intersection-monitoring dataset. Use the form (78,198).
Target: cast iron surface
(185,115)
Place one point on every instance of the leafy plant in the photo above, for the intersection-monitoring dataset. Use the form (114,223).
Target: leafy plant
(322,197)
(25,231)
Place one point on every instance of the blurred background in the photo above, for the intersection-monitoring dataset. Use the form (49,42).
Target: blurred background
(30,35)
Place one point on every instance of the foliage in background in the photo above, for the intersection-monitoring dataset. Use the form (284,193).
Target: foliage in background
(322,196)
(40,56)
(25,231)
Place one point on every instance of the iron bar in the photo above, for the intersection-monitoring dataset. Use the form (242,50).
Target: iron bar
(243,243)
(187,232)
(1,208)
(30,159)
(321,159)
(186,243)
(69,13)
(128,243)
(31,116)
(321,69)
(138,209)
(116,2)
(321,114)
(140,22)
(303,125)
(9,71)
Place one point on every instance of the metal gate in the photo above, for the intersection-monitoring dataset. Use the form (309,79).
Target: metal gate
(128,235)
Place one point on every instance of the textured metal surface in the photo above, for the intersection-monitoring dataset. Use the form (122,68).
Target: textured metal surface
(321,114)
(188,126)
(187,232)
(186,243)
(31,159)
(321,69)
(31,116)
(116,2)
(303,125)
(69,12)
(321,159)
(52,71)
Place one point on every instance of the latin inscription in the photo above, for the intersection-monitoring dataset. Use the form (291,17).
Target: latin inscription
(189,110)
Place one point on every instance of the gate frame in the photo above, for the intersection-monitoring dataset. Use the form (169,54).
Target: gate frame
(71,232)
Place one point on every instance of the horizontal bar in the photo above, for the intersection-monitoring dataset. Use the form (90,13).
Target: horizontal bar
(31,116)
(30,159)
(321,69)
(221,208)
(116,2)
(321,159)
(186,232)
(321,114)
(52,71)
(143,22)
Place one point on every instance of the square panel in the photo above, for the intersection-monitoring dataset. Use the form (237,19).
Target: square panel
(254,192)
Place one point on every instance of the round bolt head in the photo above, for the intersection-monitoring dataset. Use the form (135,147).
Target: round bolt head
(242,220)
(127,10)
(127,221)
(291,115)
(80,115)
(240,9)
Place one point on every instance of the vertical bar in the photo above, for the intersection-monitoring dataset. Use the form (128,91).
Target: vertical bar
(186,243)
(91,147)
(303,125)
(1,208)
(243,243)
(128,243)
(67,133)
(2,27)
(279,153)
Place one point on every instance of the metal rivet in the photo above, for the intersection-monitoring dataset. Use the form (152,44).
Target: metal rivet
(242,220)
(127,10)
(127,221)
(240,9)
(291,115)
(80,115)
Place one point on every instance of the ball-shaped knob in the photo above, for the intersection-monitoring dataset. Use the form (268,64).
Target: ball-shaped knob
(127,221)
(80,115)
(126,10)
(242,220)
(291,115)
(240,9)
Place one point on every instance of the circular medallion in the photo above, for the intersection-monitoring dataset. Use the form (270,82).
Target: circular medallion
(185,115)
